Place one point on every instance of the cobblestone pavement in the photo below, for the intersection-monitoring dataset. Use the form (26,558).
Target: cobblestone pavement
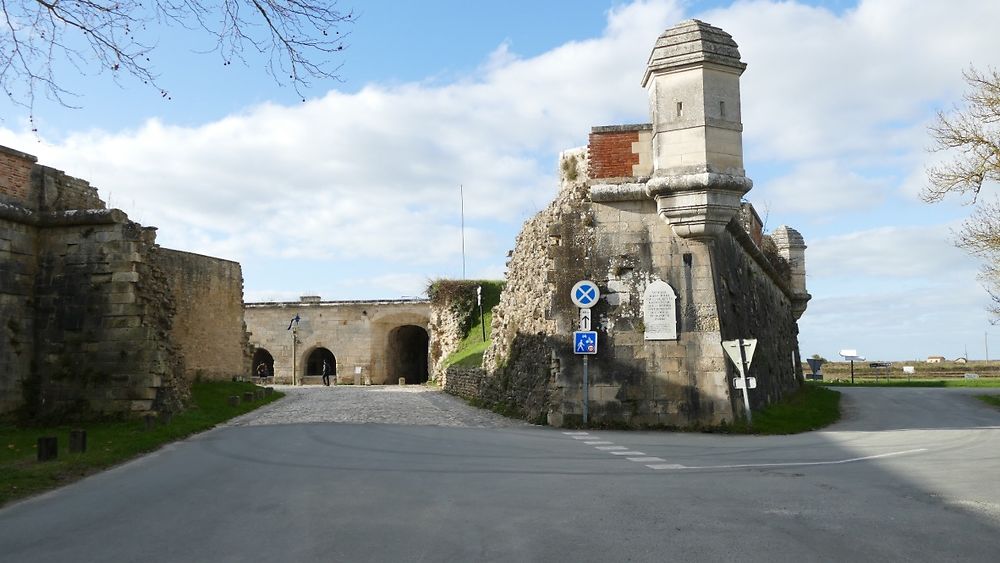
(379,404)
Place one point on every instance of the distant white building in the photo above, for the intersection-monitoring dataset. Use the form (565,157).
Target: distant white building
(935,359)
(961,361)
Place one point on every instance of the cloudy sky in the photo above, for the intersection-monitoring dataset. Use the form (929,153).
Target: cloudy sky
(355,193)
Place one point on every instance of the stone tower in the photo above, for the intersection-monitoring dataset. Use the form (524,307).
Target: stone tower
(693,82)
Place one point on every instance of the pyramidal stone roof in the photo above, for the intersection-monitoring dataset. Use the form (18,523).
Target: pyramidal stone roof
(693,42)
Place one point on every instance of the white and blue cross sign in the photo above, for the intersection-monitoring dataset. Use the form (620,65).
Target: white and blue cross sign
(585,294)
(585,342)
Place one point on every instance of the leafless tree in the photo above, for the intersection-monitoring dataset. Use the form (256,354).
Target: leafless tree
(295,38)
(971,135)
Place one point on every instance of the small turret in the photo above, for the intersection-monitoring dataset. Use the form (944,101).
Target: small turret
(693,82)
(792,247)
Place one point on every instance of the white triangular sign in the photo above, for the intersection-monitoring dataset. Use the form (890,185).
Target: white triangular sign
(732,348)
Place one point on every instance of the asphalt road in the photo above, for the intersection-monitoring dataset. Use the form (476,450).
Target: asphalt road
(908,475)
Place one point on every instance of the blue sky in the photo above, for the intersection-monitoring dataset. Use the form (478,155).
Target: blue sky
(355,193)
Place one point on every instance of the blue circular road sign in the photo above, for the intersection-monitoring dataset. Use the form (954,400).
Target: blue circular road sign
(585,294)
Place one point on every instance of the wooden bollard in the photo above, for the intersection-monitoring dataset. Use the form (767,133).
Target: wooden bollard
(150,421)
(268,391)
(259,395)
(402,381)
(77,441)
(248,397)
(48,448)
(234,400)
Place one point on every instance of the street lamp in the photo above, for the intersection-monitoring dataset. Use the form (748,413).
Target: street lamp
(293,326)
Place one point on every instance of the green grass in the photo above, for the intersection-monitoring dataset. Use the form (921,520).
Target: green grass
(470,350)
(990,382)
(990,399)
(108,443)
(810,408)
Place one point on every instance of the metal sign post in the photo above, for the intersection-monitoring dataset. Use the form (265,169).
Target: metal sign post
(482,318)
(743,374)
(852,355)
(740,352)
(584,294)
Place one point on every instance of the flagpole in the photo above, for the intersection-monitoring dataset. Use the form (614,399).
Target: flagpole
(461,195)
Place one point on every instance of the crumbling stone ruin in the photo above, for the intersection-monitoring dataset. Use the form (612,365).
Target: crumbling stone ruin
(654,214)
(97,318)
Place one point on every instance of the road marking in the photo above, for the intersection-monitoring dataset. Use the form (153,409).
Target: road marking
(576,433)
(609,448)
(788,464)
(646,459)
(599,443)
(629,453)
(582,437)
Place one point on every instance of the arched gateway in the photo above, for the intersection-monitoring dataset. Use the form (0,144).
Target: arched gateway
(374,342)
(407,354)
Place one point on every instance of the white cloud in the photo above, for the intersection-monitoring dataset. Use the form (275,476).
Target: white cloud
(821,187)
(923,253)
(819,83)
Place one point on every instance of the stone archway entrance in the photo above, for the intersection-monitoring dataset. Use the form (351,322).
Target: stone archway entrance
(262,357)
(406,354)
(314,363)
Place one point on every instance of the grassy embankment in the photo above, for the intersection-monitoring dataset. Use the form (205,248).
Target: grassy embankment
(810,408)
(470,351)
(108,443)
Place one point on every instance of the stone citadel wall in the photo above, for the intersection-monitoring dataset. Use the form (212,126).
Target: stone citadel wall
(386,339)
(89,301)
(208,326)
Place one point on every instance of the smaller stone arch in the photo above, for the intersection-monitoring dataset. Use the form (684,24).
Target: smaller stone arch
(261,357)
(314,362)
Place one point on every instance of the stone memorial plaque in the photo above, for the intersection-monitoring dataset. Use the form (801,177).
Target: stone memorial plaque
(659,311)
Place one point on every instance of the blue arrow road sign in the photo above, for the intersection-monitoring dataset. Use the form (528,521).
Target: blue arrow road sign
(585,342)
(585,294)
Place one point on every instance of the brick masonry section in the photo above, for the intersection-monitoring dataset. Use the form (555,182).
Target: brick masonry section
(15,175)
(611,150)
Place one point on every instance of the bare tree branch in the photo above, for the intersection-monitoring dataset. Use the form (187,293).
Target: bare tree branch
(295,38)
(971,134)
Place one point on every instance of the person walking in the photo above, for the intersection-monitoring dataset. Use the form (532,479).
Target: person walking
(326,372)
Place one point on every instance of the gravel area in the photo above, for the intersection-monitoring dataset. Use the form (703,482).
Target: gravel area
(376,404)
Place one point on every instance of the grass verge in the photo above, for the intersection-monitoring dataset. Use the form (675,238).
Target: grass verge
(108,443)
(990,399)
(981,382)
(810,408)
(470,351)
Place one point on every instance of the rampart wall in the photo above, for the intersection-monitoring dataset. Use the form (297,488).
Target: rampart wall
(88,304)
(208,327)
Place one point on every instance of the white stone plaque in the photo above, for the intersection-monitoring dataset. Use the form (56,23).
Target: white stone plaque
(659,311)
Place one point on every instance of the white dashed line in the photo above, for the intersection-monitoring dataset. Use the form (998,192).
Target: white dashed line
(646,459)
(628,453)
(609,448)
(788,464)
(599,443)
(576,433)
(582,437)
